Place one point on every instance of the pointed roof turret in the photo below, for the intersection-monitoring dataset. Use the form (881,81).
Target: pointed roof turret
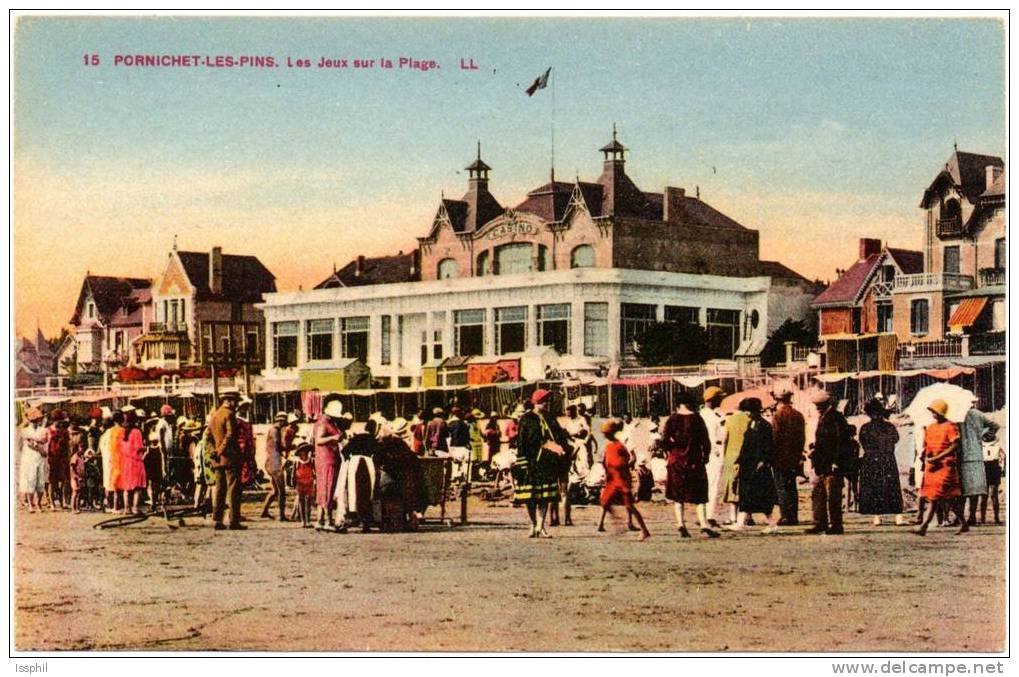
(614,151)
(478,169)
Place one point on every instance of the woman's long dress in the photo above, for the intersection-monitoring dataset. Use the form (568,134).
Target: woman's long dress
(327,463)
(686,439)
(941,476)
(880,490)
(736,427)
(618,489)
(536,470)
(131,450)
(757,490)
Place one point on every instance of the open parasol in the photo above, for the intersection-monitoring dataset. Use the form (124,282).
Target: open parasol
(959,402)
(731,403)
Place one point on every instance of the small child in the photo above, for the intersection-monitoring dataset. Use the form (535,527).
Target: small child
(79,457)
(618,483)
(304,472)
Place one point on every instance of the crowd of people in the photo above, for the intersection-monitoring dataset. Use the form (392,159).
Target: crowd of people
(731,467)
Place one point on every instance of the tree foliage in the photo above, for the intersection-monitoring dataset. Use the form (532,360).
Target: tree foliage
(672,344)
(802,332)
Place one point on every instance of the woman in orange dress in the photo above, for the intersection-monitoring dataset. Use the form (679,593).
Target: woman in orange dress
(941,485)
(618,481)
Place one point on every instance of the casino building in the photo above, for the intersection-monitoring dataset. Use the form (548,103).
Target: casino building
(566,279)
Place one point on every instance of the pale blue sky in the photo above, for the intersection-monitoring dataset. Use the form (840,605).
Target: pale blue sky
(817,129)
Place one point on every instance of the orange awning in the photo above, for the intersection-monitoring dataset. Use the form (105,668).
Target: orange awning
(967,313)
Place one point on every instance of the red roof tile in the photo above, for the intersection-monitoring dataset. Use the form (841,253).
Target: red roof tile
(846,289)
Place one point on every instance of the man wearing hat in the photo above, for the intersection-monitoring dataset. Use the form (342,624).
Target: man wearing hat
(436,433)
(715,423)
(275,457)
(227,461)
(789,430)
(832,443)
(57,458)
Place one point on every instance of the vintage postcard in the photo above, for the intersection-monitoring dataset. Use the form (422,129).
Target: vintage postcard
(510,334)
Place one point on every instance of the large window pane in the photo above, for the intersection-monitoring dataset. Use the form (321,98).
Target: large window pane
(387,330)
(469,332)
(354,337)
(918,317)
(634,319)
(683,314)
(952,259)
(319,339)
(582,256)
(596,329)
(723,333)
(513,258)
(510,330)
(284,344)
(553,326)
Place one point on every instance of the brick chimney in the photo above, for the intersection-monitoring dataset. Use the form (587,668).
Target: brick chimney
(993,172)
(216,270)
(869,246)
(359,267)
(672,204)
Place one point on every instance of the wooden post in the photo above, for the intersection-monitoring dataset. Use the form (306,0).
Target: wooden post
(247,380)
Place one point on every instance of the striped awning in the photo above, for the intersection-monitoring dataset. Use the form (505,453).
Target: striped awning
(967,313)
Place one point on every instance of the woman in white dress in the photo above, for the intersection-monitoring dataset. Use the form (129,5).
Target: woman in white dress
(35,439)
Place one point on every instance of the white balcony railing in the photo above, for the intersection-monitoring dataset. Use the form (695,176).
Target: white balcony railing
(933,282)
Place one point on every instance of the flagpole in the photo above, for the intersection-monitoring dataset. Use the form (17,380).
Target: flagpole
(553,128)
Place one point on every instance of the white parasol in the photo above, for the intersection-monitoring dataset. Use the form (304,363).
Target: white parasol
(959,401)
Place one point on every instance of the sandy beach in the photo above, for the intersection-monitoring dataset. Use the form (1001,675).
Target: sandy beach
(487,587)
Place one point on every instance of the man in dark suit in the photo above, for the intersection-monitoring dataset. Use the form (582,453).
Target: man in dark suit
(227,461)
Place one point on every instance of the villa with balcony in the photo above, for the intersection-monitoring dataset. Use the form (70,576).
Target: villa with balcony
(196,288)
(859,301)
(955,308)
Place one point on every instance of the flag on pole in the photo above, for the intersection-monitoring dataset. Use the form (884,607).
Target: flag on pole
(541,82)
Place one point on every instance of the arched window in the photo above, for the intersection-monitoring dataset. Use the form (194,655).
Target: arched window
(582,257)
(544,260)
(448,268)
(513,258)
(481,268)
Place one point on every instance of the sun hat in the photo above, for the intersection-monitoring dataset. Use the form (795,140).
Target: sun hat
(540,395)
(292,418)
(398,426)
(140,413)
(611,426)
(752,405)
(34,414)
(784,395)
(107,412)
(128,408)
(95,412)
(334,409)
(939,407)
(280,416)
(245,402)
(437,411)
(230,393)
(711,392)
(166,410)
(58,415)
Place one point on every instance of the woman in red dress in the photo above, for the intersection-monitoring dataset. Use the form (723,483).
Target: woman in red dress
(618,482)
(941,485)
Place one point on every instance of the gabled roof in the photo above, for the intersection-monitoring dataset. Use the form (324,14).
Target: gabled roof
(108,293)
(456,210)
(376,270)
(776,269)
(967,172)
(845,290)
(548,201)
(245,279)
(909,262)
